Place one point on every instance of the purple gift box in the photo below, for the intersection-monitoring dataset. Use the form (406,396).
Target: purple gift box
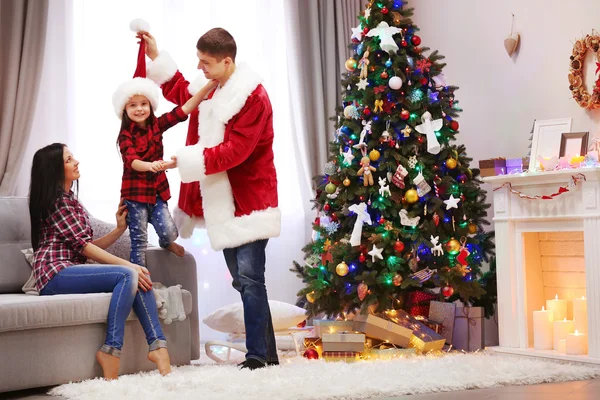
(515,165)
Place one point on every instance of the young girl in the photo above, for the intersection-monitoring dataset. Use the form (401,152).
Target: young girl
(144,184)
(62,240)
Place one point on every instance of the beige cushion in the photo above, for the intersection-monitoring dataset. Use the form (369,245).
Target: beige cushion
(20,311)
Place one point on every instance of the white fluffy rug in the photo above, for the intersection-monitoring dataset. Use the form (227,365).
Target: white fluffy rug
(305,379)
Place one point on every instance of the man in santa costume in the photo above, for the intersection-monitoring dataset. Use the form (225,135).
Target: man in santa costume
(228,173)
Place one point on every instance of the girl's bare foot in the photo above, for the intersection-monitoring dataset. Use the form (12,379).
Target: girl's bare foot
(110,365)
(176,249)
(160,357)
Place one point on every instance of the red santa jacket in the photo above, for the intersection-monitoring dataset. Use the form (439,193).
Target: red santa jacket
(232,159)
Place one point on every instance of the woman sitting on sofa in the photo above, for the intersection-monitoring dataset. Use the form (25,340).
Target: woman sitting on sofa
(62,241)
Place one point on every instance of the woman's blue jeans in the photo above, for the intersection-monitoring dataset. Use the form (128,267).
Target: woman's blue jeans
(123,283)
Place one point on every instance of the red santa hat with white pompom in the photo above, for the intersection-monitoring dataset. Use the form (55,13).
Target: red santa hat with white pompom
(139,85)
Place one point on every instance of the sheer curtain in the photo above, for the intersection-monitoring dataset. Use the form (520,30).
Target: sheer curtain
(105,54)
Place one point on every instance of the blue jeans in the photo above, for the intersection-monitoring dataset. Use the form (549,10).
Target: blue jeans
(123,283)
(138,216)
(247,266)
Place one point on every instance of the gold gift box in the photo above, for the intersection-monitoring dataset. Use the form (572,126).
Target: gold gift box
(344,341)
(382,329)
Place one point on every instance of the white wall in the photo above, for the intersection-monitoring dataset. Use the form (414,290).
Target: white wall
(501,96)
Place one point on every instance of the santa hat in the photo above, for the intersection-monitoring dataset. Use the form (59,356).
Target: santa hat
(139,85)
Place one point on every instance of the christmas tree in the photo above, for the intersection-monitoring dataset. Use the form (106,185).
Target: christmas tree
(400,209)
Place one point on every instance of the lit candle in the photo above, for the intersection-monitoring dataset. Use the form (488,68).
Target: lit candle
(577,343)
(542,330)
(580,314)
(558,308)
(562,346)
(561,330)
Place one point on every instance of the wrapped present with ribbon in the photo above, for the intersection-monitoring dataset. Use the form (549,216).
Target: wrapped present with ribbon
(418,302)
(516,165)
(322,326)
(424,339)
(379,350)
(492,167)
(344,341)
(382,329)
(434,326)
(468,329)
(443,313)
(347,356)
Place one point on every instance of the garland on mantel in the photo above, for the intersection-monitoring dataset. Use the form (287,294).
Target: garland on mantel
(563,189)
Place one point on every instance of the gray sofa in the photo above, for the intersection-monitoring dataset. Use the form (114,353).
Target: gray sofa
(50,340)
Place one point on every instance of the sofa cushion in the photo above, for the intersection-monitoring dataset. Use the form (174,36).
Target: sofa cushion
(20,311)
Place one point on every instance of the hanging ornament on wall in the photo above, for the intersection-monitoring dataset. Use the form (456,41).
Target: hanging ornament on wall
(512,41)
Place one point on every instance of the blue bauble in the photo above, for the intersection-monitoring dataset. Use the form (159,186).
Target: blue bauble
(388,63)
(359,48)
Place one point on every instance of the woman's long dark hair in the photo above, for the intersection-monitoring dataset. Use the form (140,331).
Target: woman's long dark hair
(47,183)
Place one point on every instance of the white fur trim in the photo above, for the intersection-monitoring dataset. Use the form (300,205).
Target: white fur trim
(197,84)
(139,25)
(162,69)
(190,163)
(186,224)
(230,99)
(246,229)
(126,90)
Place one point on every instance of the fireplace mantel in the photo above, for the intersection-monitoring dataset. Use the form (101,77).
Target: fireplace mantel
(576,210)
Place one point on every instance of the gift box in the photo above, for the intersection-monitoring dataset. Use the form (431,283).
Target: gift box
(424,339)
(434,326)
(347,356)
(516,165)
(346,341)
(314,343)
(322,326)
(444,314)
(382,329)
(468,328)
(418,302)
(492,167)
(389,353)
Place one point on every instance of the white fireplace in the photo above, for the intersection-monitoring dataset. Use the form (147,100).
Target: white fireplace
(546,247)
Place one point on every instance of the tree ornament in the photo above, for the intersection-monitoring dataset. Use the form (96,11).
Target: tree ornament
(452,202)
(346,182)
(415,40)
(348,156)
(384,75)
(363,64)
(451,163)
(351,64)
(405,115)
(362,291)
(428,128)
(388,63)
(454,125)
(406,131)
(310,297)
(367,111)
(384,189)
(385,34)
(436,250)
(473,228)
(411,196)
(395,82)
(362,258)
(408,221)
(436,219)
(326,207)
(362,217)
(453,246)
(330,188)
(447,291)
(376,253)
(311,354)
(463,253)
(350,112)
(399,175)
(412,162)
(342,269)
(423,81)
(403,43)
(366,170)
(374,155)
(398,246)
(397,280)
(422,186)
(384,10)
(362,84)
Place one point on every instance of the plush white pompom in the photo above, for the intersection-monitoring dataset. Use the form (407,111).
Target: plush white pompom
(139,24)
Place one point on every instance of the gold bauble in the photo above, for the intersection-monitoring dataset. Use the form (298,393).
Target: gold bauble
(451,163)
(330,188)
(342,269)
(397,280)
(453,246)
(374,155)
(347,182)
(411,196)
(351,64)
(310,297)
(473,229)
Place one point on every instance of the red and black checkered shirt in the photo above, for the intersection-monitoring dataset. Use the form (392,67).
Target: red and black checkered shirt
(145,144)
(62,238)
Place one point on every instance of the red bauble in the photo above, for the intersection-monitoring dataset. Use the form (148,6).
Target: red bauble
(311,354)
(384,75)
(398,246)
(317,221)
(301,324)
(365,30)
(415,40)
(405,115)
(454,125)
(423,81)
(367,111)
(362,258)
(403,43)
(381,221)
(447,291)
(334,217)
(326,207)
(384,10)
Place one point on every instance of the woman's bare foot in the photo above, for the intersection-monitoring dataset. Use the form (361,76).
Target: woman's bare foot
(160,357)
(110,365)
(176,249)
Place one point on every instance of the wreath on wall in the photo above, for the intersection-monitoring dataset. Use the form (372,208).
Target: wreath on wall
(576,79)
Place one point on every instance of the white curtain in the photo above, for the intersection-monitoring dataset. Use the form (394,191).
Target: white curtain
(105,54)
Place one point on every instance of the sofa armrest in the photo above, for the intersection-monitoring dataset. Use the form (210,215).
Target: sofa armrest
(169,269)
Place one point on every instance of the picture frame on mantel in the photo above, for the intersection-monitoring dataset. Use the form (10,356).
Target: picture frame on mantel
(547,135)
(574,144)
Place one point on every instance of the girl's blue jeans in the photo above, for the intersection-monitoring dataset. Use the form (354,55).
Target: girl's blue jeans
(123,283)
(138,216)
